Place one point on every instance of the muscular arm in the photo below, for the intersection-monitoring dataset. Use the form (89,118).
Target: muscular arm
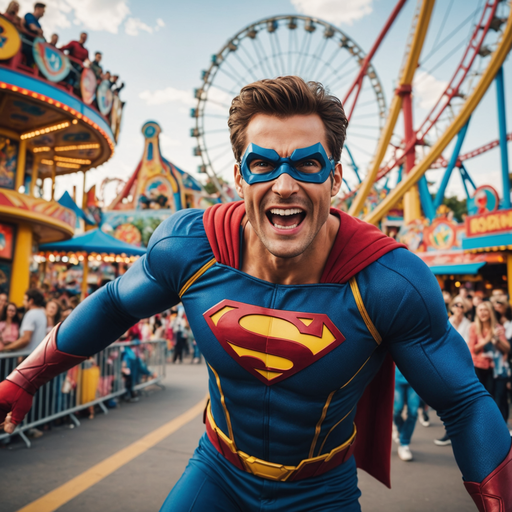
(435,360)
(104,316)
(150,286)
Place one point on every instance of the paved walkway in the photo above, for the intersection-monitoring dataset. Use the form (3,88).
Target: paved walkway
(135,439)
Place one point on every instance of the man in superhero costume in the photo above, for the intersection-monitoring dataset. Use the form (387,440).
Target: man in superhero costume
(298,309)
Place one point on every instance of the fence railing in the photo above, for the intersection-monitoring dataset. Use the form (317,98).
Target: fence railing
(120,368)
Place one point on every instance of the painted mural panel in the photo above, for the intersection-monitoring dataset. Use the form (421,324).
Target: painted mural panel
(134,226)
(7,232)
(8,162)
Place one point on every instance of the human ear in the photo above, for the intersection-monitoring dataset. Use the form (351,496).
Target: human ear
(336,179)
(238,181)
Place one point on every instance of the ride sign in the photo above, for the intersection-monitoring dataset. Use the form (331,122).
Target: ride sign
(52,63)
(88,84)
(104,97)
(10,41)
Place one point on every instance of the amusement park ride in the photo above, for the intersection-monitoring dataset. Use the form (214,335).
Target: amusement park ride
(319,51)
(48,128)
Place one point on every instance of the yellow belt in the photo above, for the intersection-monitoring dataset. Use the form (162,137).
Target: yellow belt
(270,470)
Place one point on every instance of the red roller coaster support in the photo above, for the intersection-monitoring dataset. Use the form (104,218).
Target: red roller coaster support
(358,82)
(453,87)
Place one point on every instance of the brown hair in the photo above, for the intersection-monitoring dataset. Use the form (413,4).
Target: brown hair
(287,96)
(492,317)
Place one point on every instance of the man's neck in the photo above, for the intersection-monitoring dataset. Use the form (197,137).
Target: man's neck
(307,268)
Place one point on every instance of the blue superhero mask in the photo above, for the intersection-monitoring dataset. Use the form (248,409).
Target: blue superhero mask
(311,164)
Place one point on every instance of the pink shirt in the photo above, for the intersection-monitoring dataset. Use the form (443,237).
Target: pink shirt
(9,333)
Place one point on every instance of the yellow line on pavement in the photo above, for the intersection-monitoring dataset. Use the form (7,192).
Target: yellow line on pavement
(58,497)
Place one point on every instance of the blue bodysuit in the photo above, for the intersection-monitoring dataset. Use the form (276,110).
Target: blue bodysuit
(288,364)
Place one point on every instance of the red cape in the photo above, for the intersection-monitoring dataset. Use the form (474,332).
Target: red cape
(357,245)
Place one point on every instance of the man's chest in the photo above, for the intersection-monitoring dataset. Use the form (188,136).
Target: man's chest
(310,337)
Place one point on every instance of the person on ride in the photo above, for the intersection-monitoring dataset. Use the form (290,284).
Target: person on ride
(298,310)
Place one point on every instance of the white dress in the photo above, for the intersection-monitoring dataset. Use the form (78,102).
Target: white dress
(463,328)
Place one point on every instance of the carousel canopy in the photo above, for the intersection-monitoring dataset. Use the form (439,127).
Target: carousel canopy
(95,241)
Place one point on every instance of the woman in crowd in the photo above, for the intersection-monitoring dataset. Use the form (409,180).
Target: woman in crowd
(11,13)
(458,308)
(52,314)
(486,339)
(9,325)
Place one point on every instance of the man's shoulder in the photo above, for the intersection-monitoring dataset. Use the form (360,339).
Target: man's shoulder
(399,266)
(186,223)
(182,241)
(400,292)
(30,18)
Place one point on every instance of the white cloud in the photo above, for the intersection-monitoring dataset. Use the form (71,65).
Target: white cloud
(159,24)
(427,89)
(133,25)
(335,11)
(100,14)
(106,15)
(55,16)
(168,95)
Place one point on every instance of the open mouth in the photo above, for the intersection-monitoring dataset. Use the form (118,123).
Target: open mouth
(286,218)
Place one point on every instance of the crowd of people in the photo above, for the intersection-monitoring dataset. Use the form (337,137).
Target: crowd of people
(29,27)
(485,324)
(23,328)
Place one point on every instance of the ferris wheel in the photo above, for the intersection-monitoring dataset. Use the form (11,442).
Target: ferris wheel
(287,45)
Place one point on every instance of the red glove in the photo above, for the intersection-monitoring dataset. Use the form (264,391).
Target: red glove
(45,363)
(494,493)
(15,399)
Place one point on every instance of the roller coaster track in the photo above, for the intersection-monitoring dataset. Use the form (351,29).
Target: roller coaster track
(453,88)
(452,91)
(441,162)
(497,59)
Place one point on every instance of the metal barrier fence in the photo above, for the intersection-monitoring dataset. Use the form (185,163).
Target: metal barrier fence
(120,368)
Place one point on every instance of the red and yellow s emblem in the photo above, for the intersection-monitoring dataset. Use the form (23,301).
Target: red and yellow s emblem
(269,343)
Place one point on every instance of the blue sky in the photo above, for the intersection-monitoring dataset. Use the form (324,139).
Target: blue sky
(159,49)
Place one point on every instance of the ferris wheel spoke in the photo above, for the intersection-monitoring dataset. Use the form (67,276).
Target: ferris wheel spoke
(245,66)
(229,75)
(317,56)
(220,155)
(217,130)
(305,53)
(216,116)
(231,92)
(280,53)
(335,70)
(260,58)
(217,146)
(301,53)
(364,126)
(259,43)
(328,62)
(362,136)
(239,73)
(274,53)
(359,148)
(293,51)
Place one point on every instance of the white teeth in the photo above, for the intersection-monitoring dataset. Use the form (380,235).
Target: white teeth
(290,211)
(285,227)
